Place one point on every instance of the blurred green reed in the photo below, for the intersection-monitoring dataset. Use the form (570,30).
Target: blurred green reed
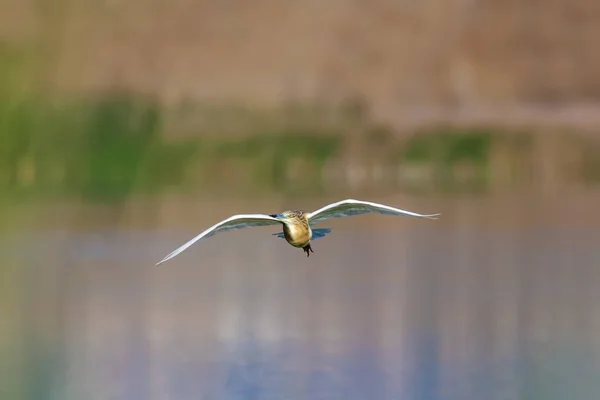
(99,148)
(115,144)
(107,146)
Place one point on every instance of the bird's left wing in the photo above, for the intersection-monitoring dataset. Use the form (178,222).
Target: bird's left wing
(346,208)
(229,224)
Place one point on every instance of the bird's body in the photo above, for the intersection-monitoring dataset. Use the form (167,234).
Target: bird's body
(297,226)
(296,230)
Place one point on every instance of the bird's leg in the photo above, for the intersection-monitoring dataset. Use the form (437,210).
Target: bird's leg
(307,249)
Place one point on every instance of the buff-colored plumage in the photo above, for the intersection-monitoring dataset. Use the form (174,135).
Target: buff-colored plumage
(297,225)
(297,230)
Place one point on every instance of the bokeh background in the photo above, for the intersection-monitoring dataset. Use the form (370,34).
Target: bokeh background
(126,127)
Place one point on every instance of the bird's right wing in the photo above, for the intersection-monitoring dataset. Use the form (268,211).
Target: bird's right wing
(229,224)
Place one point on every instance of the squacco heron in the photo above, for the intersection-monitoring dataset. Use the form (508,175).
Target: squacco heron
(298,228)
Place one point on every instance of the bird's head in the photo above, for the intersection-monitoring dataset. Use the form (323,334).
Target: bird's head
(287,215)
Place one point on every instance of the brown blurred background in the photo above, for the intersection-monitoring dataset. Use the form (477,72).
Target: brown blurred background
(417,56)
(126,127)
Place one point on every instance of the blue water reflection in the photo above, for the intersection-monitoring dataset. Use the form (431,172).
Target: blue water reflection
(511,316)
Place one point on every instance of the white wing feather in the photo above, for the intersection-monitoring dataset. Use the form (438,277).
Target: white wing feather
(346,208)
(229,224)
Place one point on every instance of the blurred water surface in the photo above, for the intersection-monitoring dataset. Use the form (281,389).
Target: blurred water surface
(497,300)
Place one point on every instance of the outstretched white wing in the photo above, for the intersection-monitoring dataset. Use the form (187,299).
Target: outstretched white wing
(346,208)
(230,224)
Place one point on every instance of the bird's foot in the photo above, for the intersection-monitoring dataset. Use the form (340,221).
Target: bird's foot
(307,249)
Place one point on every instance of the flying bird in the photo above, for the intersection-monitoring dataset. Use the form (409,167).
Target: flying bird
(297,226)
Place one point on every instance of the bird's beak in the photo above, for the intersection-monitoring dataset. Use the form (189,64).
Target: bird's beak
(279,216)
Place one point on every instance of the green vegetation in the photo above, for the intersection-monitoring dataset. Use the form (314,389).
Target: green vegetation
(269,156)
(102,148)
(114,145)
(449,146)
(108,146)
(458,158)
